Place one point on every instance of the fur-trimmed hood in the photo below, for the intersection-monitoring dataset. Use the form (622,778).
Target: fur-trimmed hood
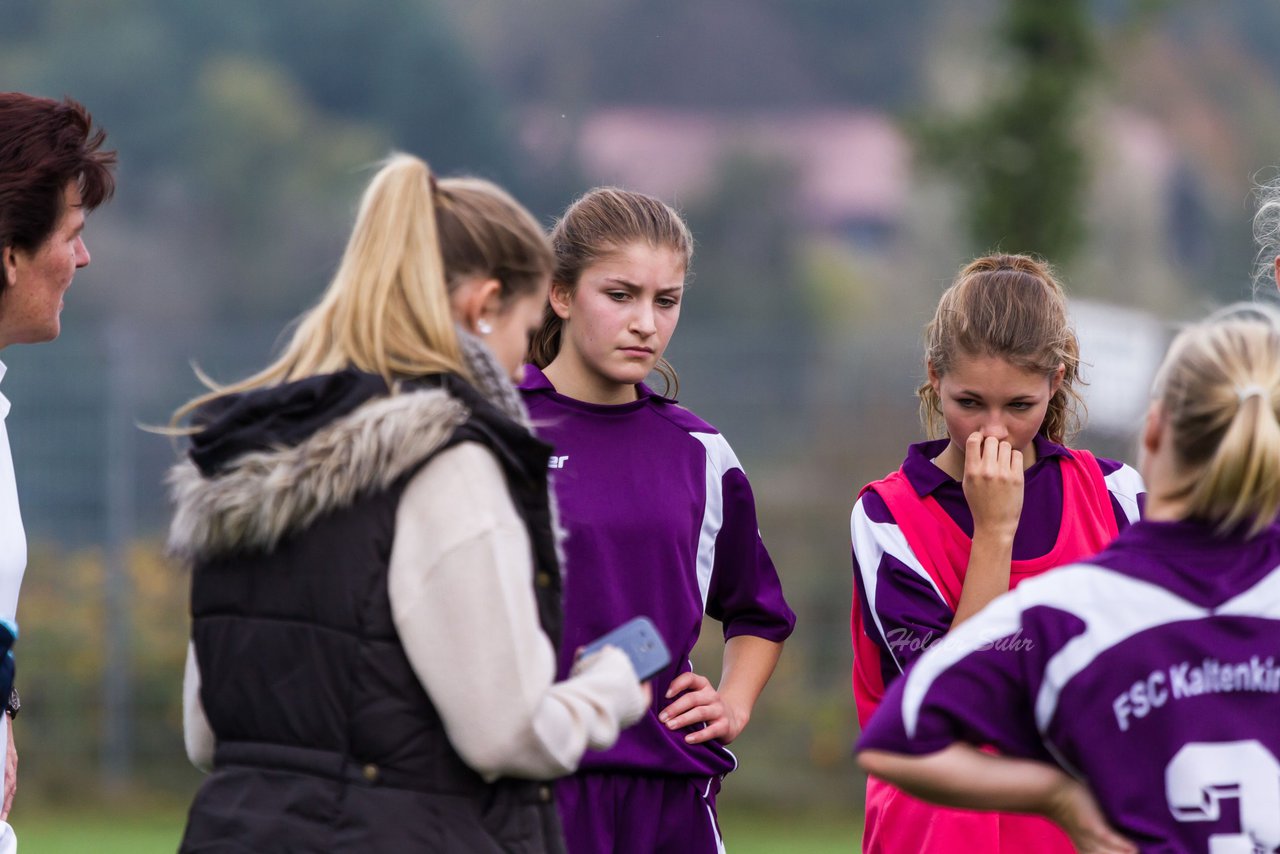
(275,487)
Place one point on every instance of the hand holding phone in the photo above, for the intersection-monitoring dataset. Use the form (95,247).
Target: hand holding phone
(640,640)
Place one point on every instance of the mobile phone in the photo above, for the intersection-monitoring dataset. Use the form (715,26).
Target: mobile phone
(640,640)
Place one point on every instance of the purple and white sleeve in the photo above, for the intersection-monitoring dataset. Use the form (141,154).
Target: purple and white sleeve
(1128,492)
(975,687)
(907,613)
(740,584)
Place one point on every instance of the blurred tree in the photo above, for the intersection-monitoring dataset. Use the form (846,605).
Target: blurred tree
(1018,158)
(745,265)
(747,312)
(866,51)
(1257,21)
(734,54)
(249,123)
(396,63)
(61,665)
(272,166)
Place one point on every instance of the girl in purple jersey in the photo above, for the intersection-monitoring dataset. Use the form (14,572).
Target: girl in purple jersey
(999,500)
(661,522)
(1143,690)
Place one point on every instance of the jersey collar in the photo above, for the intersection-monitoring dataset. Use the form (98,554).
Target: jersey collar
(925,477)
(536,380)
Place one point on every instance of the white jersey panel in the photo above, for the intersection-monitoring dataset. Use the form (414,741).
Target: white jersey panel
(1104,600)
(1261,600)
(999,619)
(720,459)
(871,542)
(1125,485)
(1100,597)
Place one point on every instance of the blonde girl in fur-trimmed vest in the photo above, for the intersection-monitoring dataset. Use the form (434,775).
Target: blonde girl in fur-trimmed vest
(375,590)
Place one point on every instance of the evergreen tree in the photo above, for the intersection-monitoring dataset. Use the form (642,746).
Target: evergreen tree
(1018,158)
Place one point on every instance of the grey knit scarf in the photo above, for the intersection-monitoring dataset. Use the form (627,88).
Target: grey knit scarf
(490,379)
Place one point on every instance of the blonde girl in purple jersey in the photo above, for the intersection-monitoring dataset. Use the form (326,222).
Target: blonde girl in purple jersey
(374,579)
(661,522)
(1141,712)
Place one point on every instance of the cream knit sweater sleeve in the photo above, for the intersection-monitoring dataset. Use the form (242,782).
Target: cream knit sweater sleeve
(463,603)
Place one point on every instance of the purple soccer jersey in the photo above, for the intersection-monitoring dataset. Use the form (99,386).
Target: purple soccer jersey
(1152,673)
(909,612)
(661,523)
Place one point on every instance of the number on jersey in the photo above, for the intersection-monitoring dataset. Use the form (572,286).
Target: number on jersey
(1203,774)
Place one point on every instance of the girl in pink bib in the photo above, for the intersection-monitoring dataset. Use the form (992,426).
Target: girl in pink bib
(967,517)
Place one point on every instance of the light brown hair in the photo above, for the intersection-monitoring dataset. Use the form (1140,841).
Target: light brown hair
(1010,307)
(1219,387)
(598,225)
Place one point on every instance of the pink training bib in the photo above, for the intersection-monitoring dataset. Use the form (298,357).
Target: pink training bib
(895,821)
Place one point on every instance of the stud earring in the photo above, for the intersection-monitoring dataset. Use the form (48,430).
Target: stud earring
(483,326)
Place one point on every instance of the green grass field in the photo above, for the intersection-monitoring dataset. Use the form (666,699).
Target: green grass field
(102,833)
(158,832)
(754,833)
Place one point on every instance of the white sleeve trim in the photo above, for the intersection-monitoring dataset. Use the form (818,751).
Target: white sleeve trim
(1000,618)
(1125,485)
(873,540)
(197,735)
(1103,599)
(720,460)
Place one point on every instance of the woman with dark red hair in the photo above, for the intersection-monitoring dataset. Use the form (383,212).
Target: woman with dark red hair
(53,171)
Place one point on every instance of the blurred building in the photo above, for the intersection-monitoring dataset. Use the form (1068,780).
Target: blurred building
(852,167)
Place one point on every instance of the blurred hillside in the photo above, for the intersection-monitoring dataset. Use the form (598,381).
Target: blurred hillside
(785,130)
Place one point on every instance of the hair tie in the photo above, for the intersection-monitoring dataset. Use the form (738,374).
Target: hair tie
(1243,393)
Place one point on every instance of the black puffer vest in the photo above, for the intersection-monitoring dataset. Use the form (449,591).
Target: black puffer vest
(326,740)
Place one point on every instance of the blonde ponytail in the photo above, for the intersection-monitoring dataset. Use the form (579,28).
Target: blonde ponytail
(387,309)
(1220,389)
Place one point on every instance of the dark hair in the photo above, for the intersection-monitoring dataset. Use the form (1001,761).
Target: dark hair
(44,144)
(601,223)
(1009,306)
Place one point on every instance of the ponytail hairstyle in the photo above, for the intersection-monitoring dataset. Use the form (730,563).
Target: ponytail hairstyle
(1219,387)
(1010,307)
(387,309)
(600,224)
